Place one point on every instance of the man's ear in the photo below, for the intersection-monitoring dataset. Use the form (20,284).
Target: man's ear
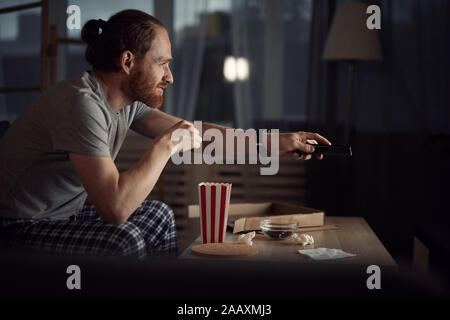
(127,61)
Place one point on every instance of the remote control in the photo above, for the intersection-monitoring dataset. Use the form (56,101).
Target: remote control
(330,150)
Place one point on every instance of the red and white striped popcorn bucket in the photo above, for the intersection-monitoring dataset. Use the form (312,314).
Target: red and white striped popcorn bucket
(214,200)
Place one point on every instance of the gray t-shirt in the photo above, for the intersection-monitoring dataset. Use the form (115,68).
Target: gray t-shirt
(37,178)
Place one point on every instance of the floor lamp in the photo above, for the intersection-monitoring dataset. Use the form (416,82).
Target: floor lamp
(350,40)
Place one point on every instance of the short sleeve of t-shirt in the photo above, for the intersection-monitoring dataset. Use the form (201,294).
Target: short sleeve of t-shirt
(81,127)
(141,111)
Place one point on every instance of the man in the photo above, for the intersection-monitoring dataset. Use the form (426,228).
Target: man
(60,151)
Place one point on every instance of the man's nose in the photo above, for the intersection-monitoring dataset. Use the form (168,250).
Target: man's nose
(168,75)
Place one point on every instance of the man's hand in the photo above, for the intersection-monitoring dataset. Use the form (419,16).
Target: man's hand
(288,142)
(182,136)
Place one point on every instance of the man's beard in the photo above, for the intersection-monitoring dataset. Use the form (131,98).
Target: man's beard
(140,90)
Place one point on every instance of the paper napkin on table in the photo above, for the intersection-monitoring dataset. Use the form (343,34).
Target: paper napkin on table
(326,253)
(303,238)
(247,238)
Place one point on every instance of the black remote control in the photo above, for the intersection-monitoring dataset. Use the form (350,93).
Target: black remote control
(329,150)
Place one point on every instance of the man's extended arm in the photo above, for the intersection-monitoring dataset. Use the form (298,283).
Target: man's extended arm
(157,121)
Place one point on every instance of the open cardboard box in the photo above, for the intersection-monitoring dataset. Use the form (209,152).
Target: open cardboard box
(247,216)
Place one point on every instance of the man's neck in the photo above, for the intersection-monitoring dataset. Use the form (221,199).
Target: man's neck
(112,89)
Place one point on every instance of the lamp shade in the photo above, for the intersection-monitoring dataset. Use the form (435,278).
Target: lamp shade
(349,38)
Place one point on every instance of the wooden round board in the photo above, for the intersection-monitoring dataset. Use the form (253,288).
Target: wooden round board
(224,250)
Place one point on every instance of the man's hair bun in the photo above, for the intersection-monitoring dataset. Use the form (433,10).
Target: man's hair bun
(91,30)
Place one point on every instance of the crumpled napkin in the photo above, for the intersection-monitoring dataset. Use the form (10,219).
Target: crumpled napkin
(326,253)
(303,238)
(246,238)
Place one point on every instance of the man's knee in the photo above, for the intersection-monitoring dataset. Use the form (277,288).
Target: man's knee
(160,210)
(127,239)
(160,229)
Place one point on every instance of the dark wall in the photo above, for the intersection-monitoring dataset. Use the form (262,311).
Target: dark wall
(399,174)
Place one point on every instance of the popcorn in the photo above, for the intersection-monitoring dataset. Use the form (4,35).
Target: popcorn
(303,238)
(247,238)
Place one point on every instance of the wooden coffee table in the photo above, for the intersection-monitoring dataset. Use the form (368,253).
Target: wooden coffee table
(353,235)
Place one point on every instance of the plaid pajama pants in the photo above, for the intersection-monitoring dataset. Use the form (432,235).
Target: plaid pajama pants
(149,231)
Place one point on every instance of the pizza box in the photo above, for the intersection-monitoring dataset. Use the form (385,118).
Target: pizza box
(246,216)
